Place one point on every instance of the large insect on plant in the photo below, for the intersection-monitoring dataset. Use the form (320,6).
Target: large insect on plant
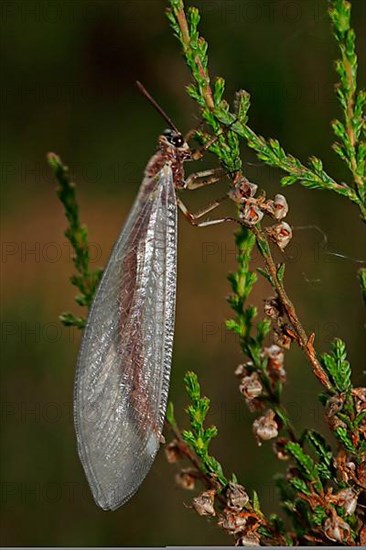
(123,371)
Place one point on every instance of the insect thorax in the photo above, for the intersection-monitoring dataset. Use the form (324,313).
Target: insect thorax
(169,154)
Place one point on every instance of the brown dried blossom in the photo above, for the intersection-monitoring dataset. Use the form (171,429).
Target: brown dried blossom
(232,521)
(359,398)
(282,339)
(334,405)
(251,214)
(236,496)
(345,466)
(243,369)
(275,354)
(272,308)
(278,207)
(281,234)
(186,479)
(242,189)
(204,503)
(265,427)
(173,452)
(255,405)
(249,539)
(347,499)
(279,447)
(251,386)
(336,529)
(275,364)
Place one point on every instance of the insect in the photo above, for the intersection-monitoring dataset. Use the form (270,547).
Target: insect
(122,377)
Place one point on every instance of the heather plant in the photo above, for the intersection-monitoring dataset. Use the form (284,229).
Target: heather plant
(323,490)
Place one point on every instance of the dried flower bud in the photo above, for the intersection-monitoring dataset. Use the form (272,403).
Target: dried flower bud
(242,370)
(336,529)
(275,354)
(347,499)
(233,522)
(242,189)
(271,308)
(282,340)
(280,207)
(236,496)
(346,466)
(265,427)
(281,234)
(251,214)
(255,405)
(279,447)
(186,479)
(172,452)
(334,405)
(275,361)
(250,386)
(249,539)
(359,396)
(204,503)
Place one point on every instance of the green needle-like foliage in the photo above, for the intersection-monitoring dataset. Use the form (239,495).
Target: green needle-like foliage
(199,437)
(85,280)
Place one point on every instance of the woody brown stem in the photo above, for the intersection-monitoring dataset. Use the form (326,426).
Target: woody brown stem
(305,342)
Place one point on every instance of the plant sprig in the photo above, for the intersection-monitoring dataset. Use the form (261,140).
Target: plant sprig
(199,437)
(85,280)
(226,127)
(350,147)
(307,493)
(216,111)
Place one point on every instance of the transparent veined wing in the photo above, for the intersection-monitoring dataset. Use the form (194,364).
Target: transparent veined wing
(123,369)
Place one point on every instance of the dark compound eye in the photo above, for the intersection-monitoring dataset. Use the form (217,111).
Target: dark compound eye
(178,141)
(174,138)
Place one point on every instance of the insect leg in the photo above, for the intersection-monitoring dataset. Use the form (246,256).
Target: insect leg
(194,181)
(193,218)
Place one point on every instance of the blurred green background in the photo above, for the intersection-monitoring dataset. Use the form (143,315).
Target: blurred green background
(68,85)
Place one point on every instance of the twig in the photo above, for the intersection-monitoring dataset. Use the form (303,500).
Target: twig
(306,343)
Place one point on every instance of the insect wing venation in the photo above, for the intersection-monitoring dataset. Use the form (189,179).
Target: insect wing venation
(123,371)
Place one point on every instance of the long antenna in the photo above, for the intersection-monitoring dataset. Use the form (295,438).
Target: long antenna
(156,106)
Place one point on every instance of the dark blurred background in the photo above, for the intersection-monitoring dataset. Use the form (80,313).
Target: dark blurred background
(68,85)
